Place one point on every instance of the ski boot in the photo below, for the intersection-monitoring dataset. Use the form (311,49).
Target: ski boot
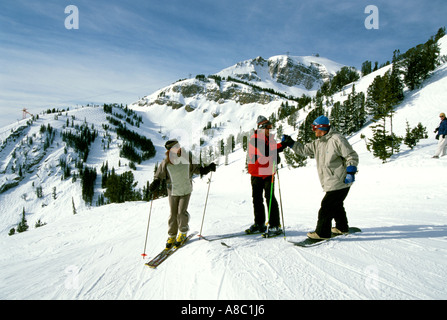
(315,236)
(256,228)
(180,239)
(337,232)
(273,232)
(170,242)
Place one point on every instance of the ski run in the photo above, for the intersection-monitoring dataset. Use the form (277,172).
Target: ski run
(400,254)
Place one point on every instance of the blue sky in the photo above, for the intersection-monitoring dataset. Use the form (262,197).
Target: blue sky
(124,50)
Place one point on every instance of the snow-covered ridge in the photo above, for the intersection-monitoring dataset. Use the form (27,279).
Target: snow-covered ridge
(262,70)
(289,74)
(286,75)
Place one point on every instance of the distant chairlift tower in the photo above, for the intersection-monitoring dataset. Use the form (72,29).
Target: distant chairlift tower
(25,112)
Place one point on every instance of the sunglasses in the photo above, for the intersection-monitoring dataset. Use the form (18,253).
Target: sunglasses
(265,125)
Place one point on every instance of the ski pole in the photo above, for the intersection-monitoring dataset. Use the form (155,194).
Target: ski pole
(147,230)
(271,196)
(206,201)
(280,202)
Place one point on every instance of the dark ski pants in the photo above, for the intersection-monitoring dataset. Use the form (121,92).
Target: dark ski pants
(332,208)
(261,189)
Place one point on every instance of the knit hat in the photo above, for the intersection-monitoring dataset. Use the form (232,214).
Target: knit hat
(263,122)
(321,123)
(170,143)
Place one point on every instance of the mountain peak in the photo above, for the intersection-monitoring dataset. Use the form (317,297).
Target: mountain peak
(304,72)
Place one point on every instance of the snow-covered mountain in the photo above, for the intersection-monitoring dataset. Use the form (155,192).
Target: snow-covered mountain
(232,99)
(289,74)
(96,254)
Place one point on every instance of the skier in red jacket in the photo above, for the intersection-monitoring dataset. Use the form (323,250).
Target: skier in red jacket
(263,158)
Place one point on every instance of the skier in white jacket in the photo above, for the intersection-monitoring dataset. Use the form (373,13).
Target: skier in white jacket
(336,164)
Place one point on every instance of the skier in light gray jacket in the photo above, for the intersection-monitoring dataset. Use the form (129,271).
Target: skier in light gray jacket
(336,164)
(177,169)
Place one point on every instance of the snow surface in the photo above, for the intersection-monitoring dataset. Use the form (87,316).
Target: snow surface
(96,254)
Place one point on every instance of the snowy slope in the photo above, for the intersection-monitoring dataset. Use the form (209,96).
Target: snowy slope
(96,254)
(184,108)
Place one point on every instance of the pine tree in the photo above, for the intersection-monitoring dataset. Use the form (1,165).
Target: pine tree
(112,188)
(222,147)
(350,116)
(359,111)
(39,224)
(88,178)
(366,68)
(293,159)
(412,136)
(127,186)
(419,61)
(120,188)
(383,94)
(22,226)
(292,119)
(380,143)
(305,133)
(336,116)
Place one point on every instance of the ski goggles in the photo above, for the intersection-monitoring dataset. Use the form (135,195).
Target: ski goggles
(324,127)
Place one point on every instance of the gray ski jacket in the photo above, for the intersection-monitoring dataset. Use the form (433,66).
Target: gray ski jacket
(333,154)
(178,175)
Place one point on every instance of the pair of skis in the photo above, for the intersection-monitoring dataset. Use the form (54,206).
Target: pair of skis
(240,234)
(308,242)
(166,253)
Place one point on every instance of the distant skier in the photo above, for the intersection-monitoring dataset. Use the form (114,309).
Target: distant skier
(177,169)
(442,132)
(262,160)
(336,164)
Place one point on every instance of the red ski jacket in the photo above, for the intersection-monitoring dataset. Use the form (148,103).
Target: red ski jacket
(262,154)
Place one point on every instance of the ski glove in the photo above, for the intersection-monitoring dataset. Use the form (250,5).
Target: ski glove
(287,141)
(350,177)
(205,170)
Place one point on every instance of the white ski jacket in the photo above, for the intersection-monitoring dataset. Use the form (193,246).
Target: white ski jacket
(333,154)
